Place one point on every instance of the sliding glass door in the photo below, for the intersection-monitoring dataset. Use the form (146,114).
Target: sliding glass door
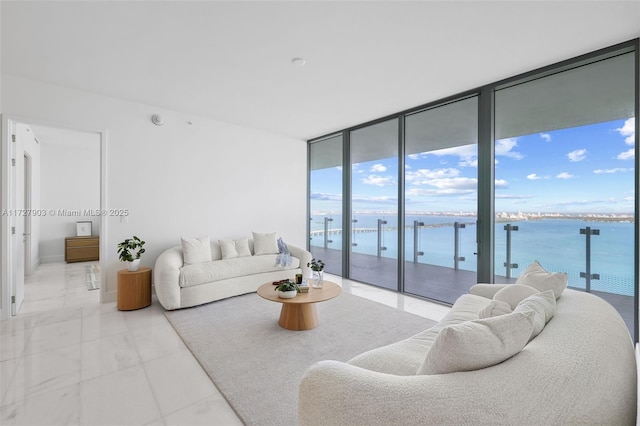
(374,204)
(441,185)
(325,202)
(565,177)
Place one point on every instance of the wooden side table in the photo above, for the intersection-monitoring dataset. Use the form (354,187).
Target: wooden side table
(134,289)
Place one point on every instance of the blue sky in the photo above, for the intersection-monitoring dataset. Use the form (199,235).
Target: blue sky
(588,169)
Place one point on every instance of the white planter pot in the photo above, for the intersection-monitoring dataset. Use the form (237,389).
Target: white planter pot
(134,265)
(287,294)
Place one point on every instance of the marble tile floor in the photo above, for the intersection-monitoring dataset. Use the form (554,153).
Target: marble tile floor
(67,359)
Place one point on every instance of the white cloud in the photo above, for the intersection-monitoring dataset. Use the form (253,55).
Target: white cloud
(533,176)
(564,175)
(467,154)
(628,129)
(627,155)
(423,176)
(577,155)
(375,199)
(513,196)
(455,183)
(378,168)
(546,136)
(325,196)
(378,180)
(611,171)
(504,148)
(500,183)
(446,186)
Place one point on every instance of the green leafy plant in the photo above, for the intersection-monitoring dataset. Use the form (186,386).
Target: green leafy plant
(287,286)
(130,249)
(316,265)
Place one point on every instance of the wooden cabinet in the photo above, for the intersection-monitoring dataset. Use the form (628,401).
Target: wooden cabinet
(81,249)
(134,289)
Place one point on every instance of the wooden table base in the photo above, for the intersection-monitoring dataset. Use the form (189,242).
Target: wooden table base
(298,317)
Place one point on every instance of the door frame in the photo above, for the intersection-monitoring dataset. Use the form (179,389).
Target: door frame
(8,186)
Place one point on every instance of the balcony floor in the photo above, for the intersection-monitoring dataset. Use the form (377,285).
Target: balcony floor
(433,282)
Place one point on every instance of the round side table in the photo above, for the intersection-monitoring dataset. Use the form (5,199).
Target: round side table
(134,289)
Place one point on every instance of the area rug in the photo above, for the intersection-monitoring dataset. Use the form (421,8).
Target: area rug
(257,365)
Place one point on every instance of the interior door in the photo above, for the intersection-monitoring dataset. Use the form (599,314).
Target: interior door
(27,217)
(17,220)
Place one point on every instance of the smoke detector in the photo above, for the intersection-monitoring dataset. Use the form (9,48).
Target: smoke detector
(157,119)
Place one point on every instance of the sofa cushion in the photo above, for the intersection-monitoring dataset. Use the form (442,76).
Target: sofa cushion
(265,243)
(231,249)
(192,275)
(403,358)
(196,250)
(486,290)
(514,294)
(473,345)
(495,308)
(228,249)
(242,246)
(544,306)
(537,277)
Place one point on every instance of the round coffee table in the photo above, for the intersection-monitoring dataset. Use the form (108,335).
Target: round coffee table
(299,313)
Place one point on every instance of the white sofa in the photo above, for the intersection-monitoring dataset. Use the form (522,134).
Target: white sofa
(580,369)
(181,285)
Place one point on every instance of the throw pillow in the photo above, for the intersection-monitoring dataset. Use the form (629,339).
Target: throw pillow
(242,246)
(284,258)
(196,250)
(537,277)
(495,308)
(265,243)
(228,249)
(472,345)
(544,306)
(486,290)
(514,294)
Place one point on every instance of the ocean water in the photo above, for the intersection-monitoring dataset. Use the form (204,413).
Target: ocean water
(556,243)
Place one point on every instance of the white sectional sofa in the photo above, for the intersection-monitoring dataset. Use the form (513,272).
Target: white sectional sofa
(579,370)
(203,270)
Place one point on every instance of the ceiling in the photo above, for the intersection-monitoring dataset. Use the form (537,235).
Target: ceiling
(232,61)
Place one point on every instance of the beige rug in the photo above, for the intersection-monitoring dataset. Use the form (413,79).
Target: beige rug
(258,366)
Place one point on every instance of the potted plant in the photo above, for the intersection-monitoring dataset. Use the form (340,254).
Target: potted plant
(317,266)
(287,289)
(130,251)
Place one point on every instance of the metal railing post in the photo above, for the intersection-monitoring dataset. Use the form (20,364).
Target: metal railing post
(353,239)
(326,231)
(381,248)
(508,265)
(456,239)
(588,276)
(416,240)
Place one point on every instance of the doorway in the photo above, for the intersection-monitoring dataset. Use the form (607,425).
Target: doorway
(37,235)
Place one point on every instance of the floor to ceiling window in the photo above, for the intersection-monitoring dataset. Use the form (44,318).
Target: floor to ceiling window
(441,184)
(325,202)
(565,177)
(374,204)
(474,188)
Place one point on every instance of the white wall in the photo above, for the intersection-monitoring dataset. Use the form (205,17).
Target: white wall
(70,184)
(209,178)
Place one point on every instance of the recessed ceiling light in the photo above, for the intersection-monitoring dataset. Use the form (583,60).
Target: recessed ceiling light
(298,61)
